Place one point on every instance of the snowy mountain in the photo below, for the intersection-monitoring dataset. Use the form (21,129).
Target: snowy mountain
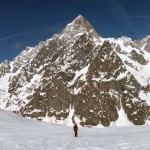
(79,76)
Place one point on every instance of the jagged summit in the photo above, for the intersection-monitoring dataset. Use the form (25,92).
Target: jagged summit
(80,26)
(81,22)
(144,43)
(80,17)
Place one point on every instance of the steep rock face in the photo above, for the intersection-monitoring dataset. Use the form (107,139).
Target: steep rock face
(144,43)
(78,73)
(4,68)
(60,73)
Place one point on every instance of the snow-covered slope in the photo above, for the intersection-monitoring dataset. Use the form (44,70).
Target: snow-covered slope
(18,133)
(78,75)
(135,58)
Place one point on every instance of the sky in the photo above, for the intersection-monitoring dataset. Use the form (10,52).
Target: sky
(27,22)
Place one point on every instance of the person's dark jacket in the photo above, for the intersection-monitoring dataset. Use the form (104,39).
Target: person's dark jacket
(75,127)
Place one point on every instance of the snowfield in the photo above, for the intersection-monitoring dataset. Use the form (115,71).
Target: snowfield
(17,133)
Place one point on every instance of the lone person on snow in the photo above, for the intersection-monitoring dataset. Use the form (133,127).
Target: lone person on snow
(75,128)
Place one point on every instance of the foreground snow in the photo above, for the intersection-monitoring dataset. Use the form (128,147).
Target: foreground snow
(18,133)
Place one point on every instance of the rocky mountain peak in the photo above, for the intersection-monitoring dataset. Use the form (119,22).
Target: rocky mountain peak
(79,18)
(144,43)
(78,27)
(126,39)
(79,76)
(4,68)
(81,22)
